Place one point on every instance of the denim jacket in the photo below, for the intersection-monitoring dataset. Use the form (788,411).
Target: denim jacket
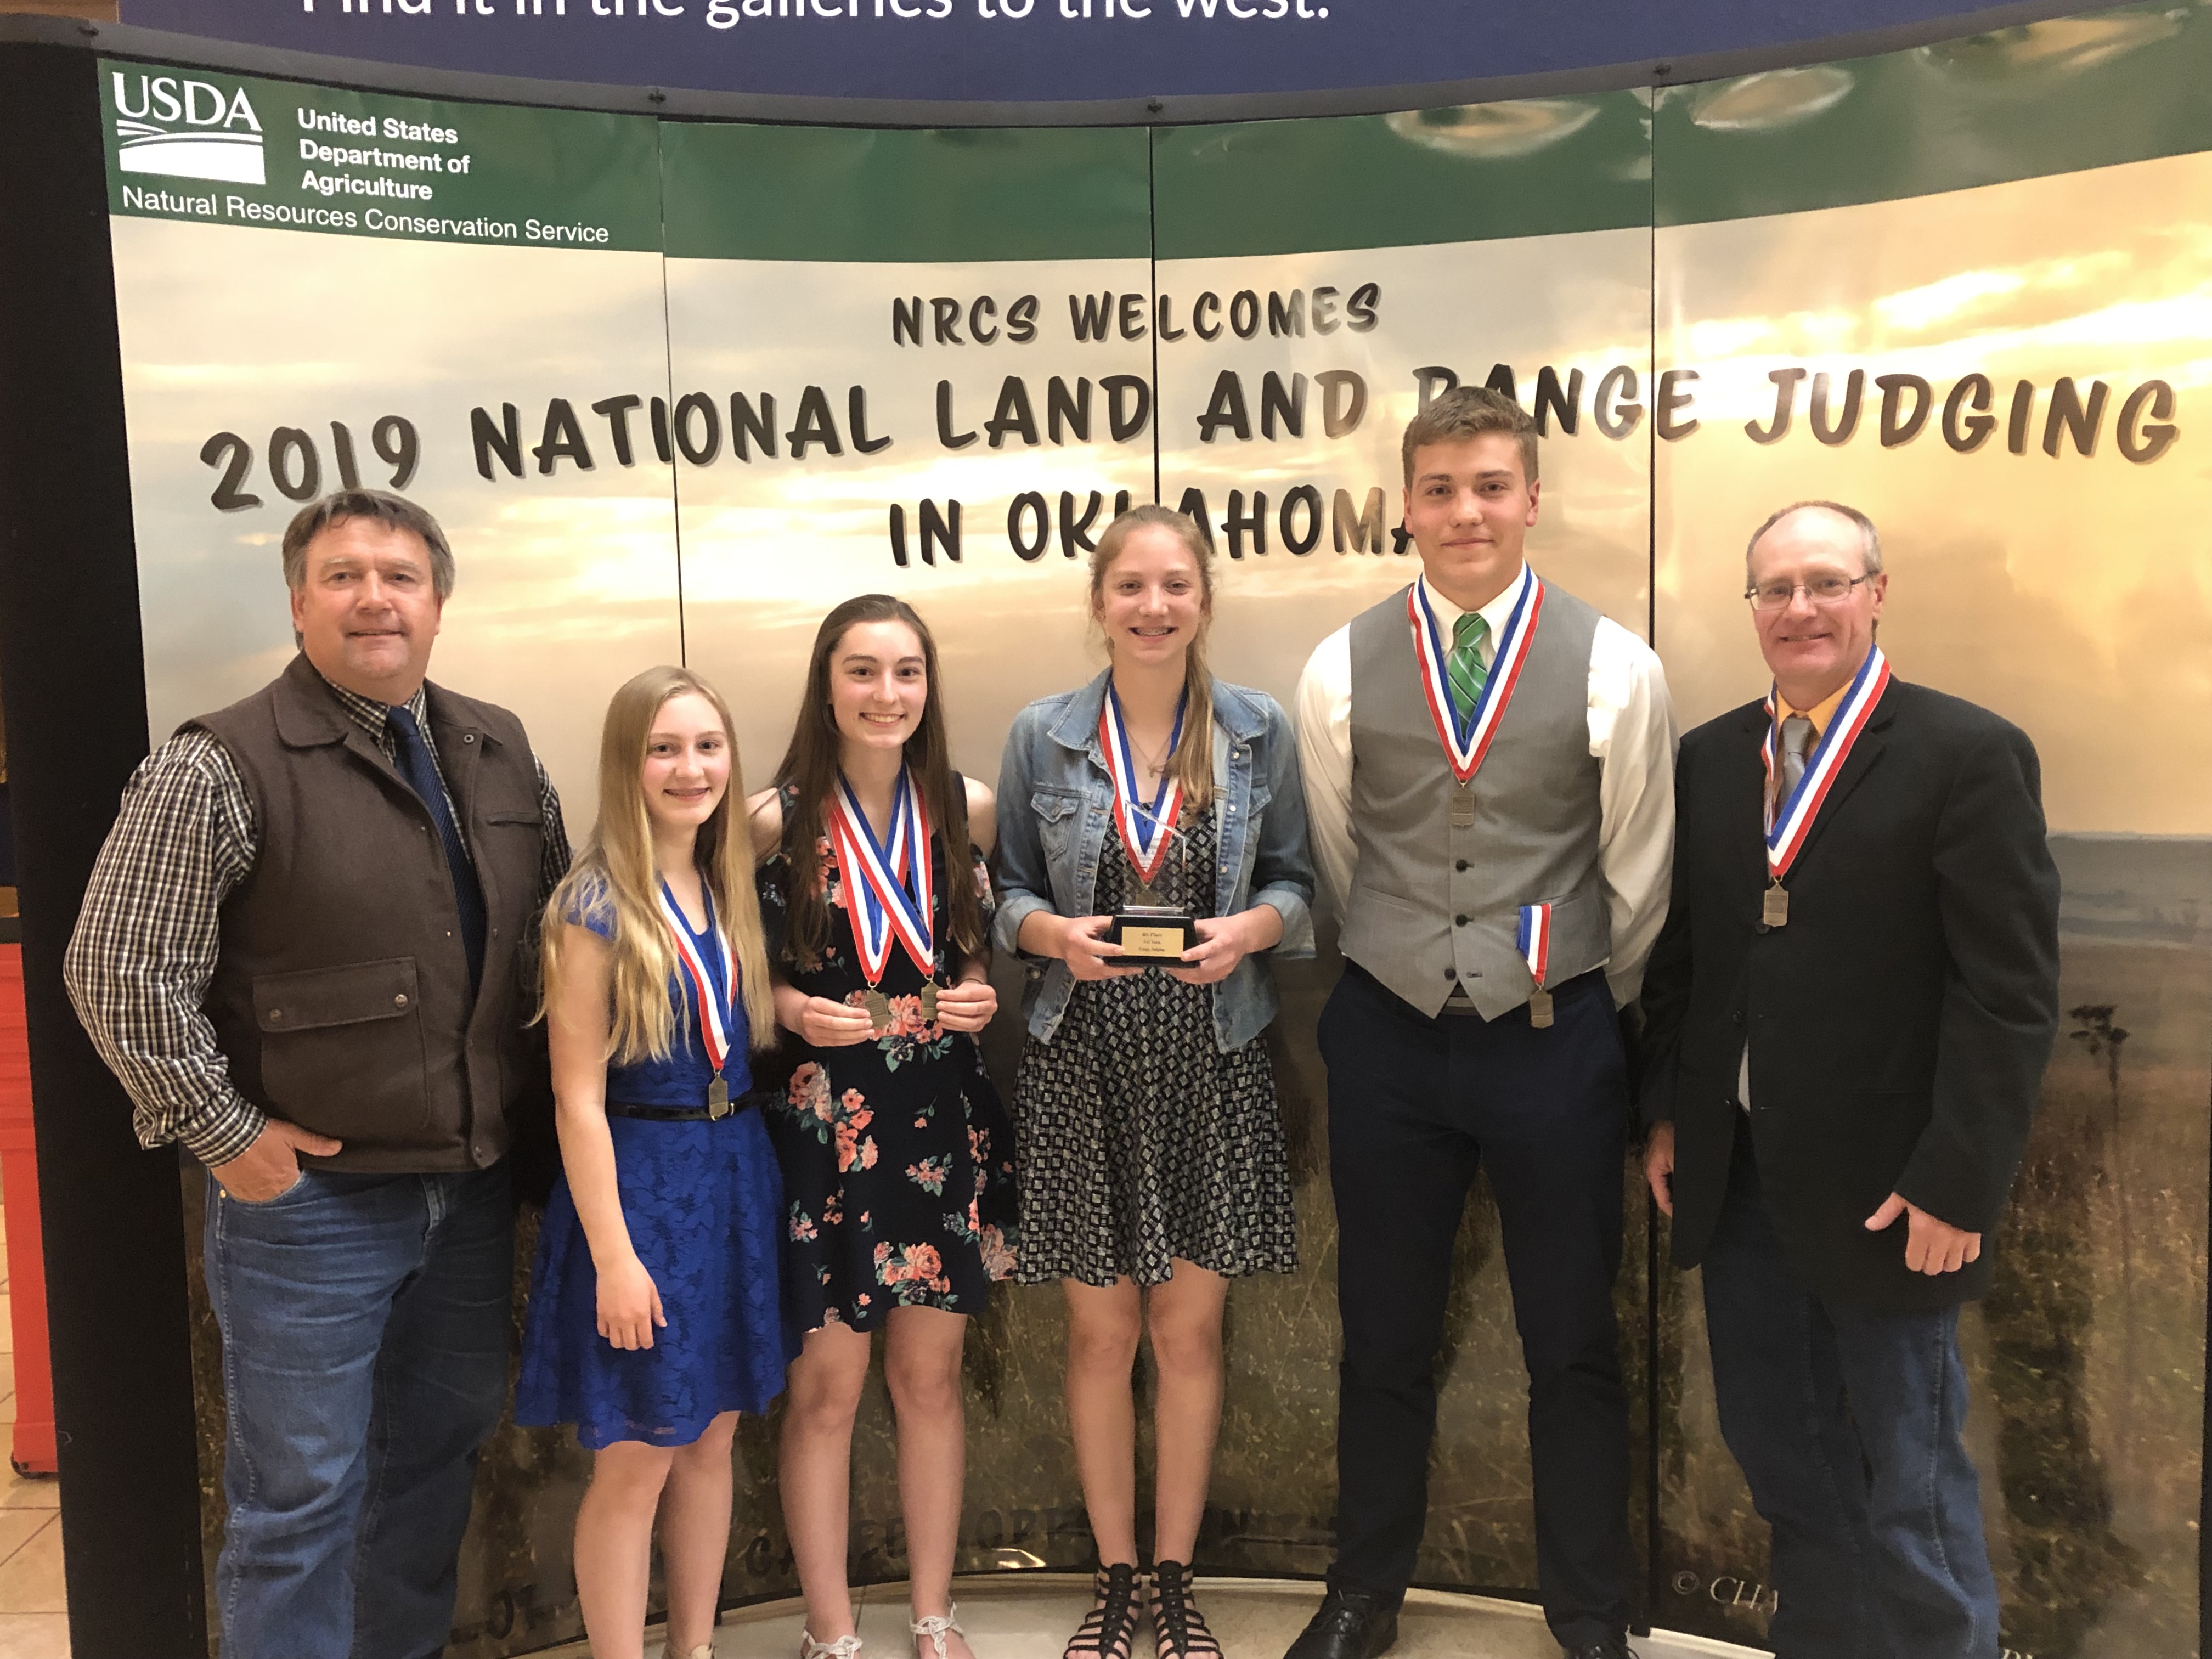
(1055,814)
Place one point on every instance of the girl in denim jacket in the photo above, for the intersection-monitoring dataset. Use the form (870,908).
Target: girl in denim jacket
(1151,1150)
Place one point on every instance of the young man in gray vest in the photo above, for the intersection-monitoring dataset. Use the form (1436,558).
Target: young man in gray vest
(1489,771)
(306,952)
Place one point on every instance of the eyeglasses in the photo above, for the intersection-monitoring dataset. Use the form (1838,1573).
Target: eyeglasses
(1821,589)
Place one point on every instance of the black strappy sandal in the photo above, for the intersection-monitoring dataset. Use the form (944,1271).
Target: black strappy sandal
(1178,1626)
(1110,1630)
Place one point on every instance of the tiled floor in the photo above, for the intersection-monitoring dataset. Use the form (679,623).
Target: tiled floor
(1031,1615)
(34,1623)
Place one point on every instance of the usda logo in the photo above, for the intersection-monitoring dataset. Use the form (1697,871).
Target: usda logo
(186,129)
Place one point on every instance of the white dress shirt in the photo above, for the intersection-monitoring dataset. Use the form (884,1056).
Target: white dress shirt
(1631,735)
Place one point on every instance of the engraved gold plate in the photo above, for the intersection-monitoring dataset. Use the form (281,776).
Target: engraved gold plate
(929,1001)
(1161,944)
(879,1011)
(1463,807)
(1775,911)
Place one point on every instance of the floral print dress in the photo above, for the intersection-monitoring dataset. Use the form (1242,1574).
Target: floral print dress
(898,1160)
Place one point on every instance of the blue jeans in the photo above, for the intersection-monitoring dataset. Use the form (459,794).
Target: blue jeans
(365,1329)
(1847,1421)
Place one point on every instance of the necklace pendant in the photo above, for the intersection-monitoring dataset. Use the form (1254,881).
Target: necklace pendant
(1774,911)
(879,1009)
(1463,807)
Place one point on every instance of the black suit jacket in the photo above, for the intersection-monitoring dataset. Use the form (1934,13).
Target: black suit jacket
(1900,1022)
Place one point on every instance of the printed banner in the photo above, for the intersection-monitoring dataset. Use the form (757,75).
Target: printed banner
(1030,50)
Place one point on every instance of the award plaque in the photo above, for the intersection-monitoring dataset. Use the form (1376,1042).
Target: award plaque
(1151,933)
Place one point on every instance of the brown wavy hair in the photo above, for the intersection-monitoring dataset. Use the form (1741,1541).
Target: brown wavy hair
(1192,762)
(809,771)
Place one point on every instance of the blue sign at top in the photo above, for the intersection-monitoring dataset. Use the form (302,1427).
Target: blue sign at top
(1019,50)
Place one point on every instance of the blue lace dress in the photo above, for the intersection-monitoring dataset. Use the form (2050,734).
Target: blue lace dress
(704,1205)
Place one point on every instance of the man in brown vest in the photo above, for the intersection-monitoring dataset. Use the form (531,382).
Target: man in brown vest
(306,952)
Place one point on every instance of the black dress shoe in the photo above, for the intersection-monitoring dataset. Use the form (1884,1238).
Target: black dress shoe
(1613,1647)
(1350,1624)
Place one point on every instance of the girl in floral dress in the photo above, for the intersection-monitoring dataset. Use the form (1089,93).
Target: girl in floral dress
(897,1154)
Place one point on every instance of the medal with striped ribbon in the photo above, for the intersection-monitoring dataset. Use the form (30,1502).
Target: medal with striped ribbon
(1787,827)
(714,1017)
(887,889)
(1534,941)
(1145,828)
(1467,739)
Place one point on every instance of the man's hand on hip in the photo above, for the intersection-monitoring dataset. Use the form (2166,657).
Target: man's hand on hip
(271,1166)
(1931,1247)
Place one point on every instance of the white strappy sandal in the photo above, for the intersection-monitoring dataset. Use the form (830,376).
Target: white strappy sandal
(935,1627)
(844,1647)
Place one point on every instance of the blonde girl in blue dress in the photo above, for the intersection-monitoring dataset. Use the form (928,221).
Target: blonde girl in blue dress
(655,1313)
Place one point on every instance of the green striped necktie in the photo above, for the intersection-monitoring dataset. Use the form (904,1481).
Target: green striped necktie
(1464,668)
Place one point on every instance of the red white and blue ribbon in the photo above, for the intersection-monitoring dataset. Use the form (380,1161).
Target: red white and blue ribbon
(887,889)
(1786,828)
(1467,740)
(1533,940)
(714,1017)
(1145,828)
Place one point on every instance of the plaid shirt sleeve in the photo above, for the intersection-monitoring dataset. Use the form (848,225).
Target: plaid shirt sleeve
(555,863)
(146,941)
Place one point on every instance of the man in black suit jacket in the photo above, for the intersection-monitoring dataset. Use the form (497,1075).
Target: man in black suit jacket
(1848,1017)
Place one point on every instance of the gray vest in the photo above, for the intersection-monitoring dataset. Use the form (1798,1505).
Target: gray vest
(1431,905)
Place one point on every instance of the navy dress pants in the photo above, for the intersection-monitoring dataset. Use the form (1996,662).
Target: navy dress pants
(1416,1106)
(1848,1424)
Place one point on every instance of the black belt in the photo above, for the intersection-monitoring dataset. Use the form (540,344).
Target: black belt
(737,1103)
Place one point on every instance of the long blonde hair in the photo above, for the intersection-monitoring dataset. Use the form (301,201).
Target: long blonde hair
(1192,763)
(616,874)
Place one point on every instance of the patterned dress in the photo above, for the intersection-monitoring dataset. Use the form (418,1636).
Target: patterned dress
(1141,1140)
(898,1162)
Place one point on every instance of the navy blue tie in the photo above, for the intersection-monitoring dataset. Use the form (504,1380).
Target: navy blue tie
(412,757)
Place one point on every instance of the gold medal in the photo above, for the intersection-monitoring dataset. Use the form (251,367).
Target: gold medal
(1145,896)
(1539,1008)
(1463,807)
(879,1009)
(718,1092)
(1775,911)
(929,1000)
